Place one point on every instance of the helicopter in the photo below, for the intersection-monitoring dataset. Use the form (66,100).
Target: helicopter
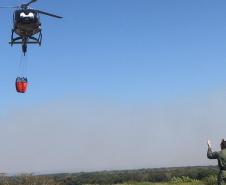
(27,25)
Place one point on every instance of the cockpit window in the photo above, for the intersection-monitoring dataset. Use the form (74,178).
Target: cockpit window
(29,15)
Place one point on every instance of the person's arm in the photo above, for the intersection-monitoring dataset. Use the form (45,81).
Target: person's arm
(210,153)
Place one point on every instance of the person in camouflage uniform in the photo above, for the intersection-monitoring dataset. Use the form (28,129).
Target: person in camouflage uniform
(221,157)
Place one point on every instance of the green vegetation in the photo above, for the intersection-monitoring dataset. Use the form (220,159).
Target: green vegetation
(182,176)
(27,180)
(163,176)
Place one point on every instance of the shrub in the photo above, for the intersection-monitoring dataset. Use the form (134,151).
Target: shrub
(183,179)
(211,180)
(27,180)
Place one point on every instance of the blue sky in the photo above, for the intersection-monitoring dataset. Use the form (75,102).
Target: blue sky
(129,49)
(128,59)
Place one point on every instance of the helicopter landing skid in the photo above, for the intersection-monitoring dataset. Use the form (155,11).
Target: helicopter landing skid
(26,40)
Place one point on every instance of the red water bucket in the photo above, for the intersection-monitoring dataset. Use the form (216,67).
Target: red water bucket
(21,84)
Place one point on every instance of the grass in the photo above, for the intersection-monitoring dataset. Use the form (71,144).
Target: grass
(165,183)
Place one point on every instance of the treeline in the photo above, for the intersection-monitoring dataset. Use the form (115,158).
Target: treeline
(185,174)
(142,175)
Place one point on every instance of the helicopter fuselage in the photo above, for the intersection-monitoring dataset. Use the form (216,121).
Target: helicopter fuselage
(27,26)
(26,22)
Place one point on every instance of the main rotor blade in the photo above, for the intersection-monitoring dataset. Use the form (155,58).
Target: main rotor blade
(49,14)
(32,1)
(9,6)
